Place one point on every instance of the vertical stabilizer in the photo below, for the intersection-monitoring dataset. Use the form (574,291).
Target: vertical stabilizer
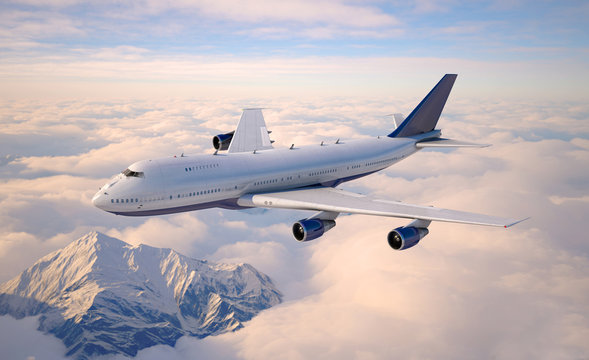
(425,116)
(251,133)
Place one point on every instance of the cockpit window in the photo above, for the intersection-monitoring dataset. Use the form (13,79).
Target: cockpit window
(131,173)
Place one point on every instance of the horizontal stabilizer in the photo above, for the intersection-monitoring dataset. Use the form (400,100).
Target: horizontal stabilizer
(398,119)
(447,143)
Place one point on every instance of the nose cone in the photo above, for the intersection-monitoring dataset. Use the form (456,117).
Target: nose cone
(99,200)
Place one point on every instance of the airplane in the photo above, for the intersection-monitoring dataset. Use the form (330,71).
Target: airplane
(246,171)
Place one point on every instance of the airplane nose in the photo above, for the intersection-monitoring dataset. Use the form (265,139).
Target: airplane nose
(98,200)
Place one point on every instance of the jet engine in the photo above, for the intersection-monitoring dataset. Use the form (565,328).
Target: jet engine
(222,141)
(311,229)
(405,237)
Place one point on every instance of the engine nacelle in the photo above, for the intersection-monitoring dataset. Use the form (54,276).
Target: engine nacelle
(405,237)
(222,141)
(311,229)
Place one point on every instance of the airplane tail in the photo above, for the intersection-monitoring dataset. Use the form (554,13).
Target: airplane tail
(425,116)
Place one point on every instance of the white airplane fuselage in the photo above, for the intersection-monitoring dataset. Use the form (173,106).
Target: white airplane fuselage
(192,182)
(252,173)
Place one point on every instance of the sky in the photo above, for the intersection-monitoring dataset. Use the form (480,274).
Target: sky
(87,88)
(527,49)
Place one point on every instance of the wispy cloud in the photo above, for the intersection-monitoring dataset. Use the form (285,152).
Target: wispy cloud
(234,27)
(304,18)
(38,25)
(433,6)
(469,28)
(299,11)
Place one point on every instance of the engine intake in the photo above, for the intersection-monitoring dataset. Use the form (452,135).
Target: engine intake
(311,229)
(222,141)
(405,237)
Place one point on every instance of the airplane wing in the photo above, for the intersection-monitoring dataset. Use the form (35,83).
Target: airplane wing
(251,133)
(340,201)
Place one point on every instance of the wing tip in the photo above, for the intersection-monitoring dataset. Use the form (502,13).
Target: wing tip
(515,222)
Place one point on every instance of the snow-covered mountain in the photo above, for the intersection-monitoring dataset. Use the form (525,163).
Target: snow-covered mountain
(100,295)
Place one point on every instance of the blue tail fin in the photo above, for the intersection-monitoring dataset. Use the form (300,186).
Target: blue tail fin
(425,116)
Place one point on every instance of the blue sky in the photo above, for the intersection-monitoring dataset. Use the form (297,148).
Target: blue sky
(527,46)
(498,30)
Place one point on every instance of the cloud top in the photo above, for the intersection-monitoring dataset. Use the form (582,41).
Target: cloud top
(520,292)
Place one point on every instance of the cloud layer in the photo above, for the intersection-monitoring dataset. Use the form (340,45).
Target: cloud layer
(135,72)
(463,291)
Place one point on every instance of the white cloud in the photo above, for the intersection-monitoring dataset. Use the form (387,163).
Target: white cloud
(463,291)
(559,200)
(181,232)
(123,52)
(303,11)
(23,341)
(441,300)
(132,74)
(27,25)
(302,18)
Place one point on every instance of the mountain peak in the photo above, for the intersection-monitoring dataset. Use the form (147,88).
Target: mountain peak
(100,285)
(95,240)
